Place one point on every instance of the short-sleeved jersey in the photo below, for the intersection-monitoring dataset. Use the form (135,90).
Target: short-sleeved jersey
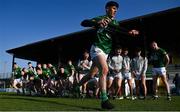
(46,73)
(68,70)
(17,73)
(31,71)
(104,37)
(52,70)
(126,64)
(84,70)
(116,62)
(139,65)
(157,58)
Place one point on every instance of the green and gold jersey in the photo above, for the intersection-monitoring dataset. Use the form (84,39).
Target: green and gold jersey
(104,36)
(157,58)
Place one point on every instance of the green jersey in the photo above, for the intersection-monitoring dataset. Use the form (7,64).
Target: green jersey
(17,73)
(52,72)
(157,58)
(31,72)
(46,73)
(68,70)
(104,36)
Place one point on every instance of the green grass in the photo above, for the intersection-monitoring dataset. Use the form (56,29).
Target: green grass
(12,102)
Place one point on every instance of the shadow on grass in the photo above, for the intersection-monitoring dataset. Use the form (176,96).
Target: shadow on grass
(53,102)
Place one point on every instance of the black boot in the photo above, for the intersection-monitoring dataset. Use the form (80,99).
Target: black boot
(106,105)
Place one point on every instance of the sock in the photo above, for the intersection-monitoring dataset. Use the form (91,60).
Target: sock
(103,95)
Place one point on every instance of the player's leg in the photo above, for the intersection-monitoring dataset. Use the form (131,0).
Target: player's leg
(118,92)
(15,83)
(164,79)
(91,74)
(130,84)
(143,81)
(155,77)
(109,85)
(93,71)
(130,87)
(101,63)
(137,87)
(155,88)
(96,91)
(80,76)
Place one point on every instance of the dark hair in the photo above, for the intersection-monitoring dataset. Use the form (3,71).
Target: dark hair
(14,63)
(138,49)
(125,49)
(23,69)
(112,3)
(85,51)
(29,63)
(118,47)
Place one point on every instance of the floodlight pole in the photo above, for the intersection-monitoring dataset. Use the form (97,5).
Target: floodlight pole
(13,66)
(13,62)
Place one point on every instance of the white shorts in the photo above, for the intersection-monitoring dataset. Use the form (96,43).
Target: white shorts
(117,75)
(95,51)
(126,75)
(19,80)
(94,79)
(71,79)
(159,71)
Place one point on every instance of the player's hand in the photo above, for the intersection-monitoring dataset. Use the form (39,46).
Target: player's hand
(84,65)
(134,32)
(104,22)
(134,74)
(117,70)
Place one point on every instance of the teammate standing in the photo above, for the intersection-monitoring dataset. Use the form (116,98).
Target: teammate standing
(115,66)
(160,60)
(139,67)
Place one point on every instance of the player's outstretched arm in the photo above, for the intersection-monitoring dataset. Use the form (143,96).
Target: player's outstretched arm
(123,30)
(89,23)
(96,23)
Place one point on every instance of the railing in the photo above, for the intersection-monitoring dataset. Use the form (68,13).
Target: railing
(173,68)
(5,75)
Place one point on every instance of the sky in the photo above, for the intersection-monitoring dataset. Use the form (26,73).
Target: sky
(27,21)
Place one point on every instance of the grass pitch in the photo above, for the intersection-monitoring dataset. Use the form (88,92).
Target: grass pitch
(13,102)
